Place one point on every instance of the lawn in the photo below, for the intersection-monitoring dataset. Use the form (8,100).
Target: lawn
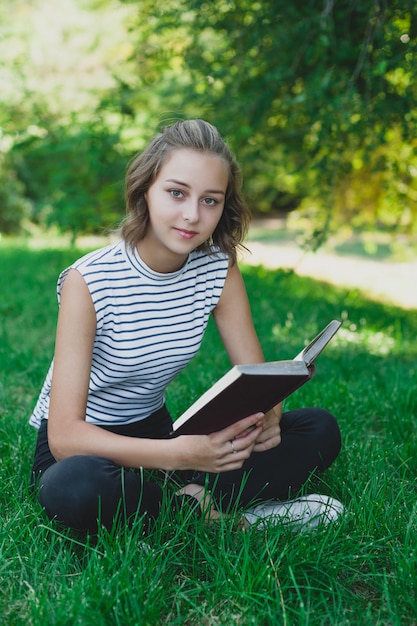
(360,571)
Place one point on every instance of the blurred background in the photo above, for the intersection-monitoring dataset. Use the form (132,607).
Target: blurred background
(317,99)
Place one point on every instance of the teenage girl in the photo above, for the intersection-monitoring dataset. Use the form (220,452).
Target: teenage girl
(131,316)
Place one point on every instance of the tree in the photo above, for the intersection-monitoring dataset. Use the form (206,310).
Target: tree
(311,94)
(60,146)
(317,99)
(74,177)
(13,205)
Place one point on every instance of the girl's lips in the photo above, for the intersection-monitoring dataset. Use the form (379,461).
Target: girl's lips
(185,234)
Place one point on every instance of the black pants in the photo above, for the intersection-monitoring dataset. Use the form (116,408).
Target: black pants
(83,491)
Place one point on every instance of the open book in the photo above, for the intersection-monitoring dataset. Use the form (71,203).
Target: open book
(249,389)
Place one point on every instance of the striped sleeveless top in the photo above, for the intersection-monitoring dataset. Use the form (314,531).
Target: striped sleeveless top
(149,326)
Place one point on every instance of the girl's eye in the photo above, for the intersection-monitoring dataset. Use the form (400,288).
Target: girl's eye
(210,201)
(176,193)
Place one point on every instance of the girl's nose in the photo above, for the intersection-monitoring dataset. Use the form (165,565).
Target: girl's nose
(191,211)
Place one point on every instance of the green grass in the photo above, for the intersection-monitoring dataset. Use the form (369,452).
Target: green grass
(361,571)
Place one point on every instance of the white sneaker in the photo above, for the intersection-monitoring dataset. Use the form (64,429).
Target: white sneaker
(304,513)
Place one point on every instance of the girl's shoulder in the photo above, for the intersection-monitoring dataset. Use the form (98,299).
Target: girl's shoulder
(95,266)
(214,257)
(112,253)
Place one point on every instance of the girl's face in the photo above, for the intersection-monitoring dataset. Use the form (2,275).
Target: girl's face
(185,204)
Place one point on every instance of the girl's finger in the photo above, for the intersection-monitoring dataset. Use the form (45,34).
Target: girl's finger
(240,428)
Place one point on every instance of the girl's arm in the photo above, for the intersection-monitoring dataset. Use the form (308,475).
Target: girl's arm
(234,322)
(68,432)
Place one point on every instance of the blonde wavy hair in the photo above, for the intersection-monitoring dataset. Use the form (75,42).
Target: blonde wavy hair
(195,135)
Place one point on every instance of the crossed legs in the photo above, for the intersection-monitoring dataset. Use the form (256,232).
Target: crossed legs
(84,491)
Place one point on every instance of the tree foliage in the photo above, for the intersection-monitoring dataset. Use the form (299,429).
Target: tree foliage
(74,177)
(64,151)
(316,98)
(14,208)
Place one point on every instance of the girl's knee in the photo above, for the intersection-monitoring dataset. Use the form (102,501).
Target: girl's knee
(317,426)
(84,492)
(70,491)
(328,435)
(325,421)
(309,420)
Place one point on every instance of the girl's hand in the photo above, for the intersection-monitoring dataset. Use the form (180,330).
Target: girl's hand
(224,450)
(270,436)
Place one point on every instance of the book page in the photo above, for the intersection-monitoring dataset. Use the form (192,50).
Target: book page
(315,347)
